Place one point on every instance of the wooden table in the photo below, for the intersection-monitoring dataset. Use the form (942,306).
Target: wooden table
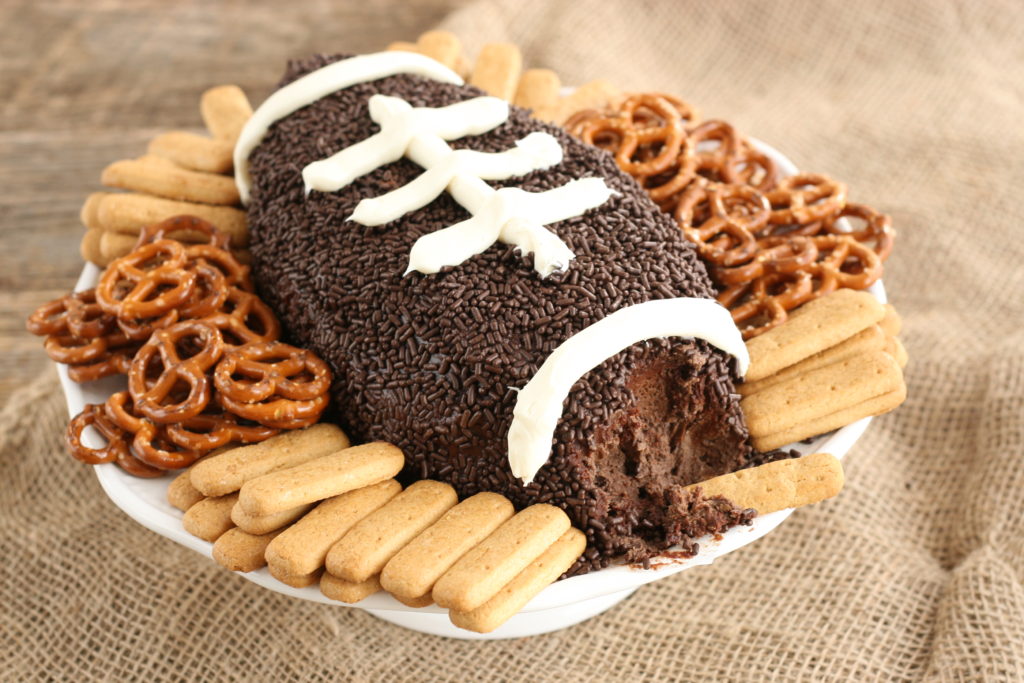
(87,83)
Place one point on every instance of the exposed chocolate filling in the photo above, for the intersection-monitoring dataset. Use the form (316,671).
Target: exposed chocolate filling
(431,362)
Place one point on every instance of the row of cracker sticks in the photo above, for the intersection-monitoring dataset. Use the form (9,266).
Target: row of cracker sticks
(498,71)
(836,360)
(308,502)
(181,173)
(312,509)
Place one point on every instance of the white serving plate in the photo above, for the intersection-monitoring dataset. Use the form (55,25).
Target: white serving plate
(560,605)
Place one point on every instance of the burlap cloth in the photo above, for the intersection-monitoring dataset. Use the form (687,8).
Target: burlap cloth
(915,571)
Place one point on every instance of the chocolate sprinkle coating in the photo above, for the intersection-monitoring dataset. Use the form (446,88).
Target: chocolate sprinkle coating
(431,363)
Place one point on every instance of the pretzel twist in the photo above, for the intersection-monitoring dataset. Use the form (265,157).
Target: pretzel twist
(273,383)
(202,346)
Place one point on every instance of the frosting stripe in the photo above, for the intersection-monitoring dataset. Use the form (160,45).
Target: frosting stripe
(539,404)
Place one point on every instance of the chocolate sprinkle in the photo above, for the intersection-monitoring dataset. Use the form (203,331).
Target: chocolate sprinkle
(432,363)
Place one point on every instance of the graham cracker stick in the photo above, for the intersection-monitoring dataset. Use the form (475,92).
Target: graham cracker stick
(876,405)
(347,591)
(413,571)
(225,109)
(541,573)
(804,399)
(814,327)
(441,46)
(130,212)
(537,89)
(241,551)
(163,178)
(363,551)
(226,472)
(194,152)
(267,523)
(779,485)
(593,95)
(497,70)
(869,339)
(327,476)
(303,547)
(479,574)
(210,517)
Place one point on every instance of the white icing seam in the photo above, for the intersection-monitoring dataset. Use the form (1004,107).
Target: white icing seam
(539,404)
(331,78)
(508,215)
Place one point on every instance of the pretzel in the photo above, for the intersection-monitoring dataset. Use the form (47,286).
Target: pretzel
(153,397)
(278,385)
(206,431)
(133,286)
(877,230)
(775,255)
(728,199)
(76,313)
(113,362)
(150,443)
(116,450)
(245,319)
(215,250)
(159,231)
(141,329)
(211,291)
(763,303)
(805,198)
(92,416)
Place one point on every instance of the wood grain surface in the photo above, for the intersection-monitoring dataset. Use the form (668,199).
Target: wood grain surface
(86,83)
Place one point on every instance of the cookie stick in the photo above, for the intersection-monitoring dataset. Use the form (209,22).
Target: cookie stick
(779,485)
(440,46)
(485,569)
(347,591)
(414,570)
(227,472)
(115,245)
(210,517)
(371,543)
(819,393)
(181,494)
(129,212)
(225,110)
(324,477)
(593,95)
(268,523)
(869,339)
(876,405)
(156,175)
(293,580)
(814,327)
(90,210)
(541,573)
(240,551)
(90,248)
(497,70)
(303,547)
(538,88)
(194,152)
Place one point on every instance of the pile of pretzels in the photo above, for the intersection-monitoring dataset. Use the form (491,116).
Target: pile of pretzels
(200,350)
(770,244)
